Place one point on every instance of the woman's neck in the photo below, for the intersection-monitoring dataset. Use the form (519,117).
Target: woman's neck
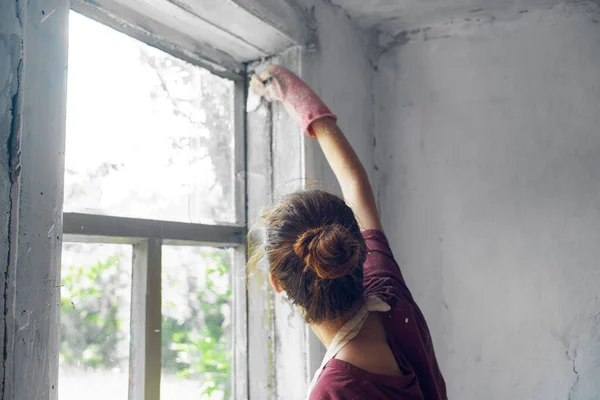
(327,330)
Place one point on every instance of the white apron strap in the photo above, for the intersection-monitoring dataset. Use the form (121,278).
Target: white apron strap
(347,333)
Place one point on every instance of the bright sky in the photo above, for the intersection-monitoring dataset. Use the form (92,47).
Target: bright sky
(112,118)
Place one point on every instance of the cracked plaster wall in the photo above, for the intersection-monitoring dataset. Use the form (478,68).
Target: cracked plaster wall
(488,176)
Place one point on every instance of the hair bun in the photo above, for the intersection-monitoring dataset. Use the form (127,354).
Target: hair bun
(330,251)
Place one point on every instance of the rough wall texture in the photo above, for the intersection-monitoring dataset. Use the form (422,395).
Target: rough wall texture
(340,72)
(488,158)
(33,54)
(393,16)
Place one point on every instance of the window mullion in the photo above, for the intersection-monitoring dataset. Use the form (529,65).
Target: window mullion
(261,334)
(239,376)
(146,320)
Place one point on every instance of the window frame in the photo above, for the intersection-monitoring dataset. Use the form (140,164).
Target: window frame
(147,237)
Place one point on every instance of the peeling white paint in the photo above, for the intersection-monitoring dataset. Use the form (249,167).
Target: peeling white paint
(47,15)
(25,314)
(51,230)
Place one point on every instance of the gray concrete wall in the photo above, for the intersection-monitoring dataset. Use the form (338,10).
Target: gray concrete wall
(340,72)
(488,159)
(33,56)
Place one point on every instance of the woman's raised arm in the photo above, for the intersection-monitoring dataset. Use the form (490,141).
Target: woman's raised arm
(313,116)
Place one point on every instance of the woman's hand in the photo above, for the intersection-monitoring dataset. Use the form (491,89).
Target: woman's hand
(261,84)
(277,83)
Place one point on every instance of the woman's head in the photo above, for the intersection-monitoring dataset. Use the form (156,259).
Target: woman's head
(316,253)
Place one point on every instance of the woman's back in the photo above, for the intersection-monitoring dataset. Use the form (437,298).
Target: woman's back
(370,349)
(372,375)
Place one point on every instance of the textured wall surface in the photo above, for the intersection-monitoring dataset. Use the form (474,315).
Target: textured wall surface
(340,72)
(488,175)
(393,16)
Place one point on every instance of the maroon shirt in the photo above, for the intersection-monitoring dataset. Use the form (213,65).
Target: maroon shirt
(407,334)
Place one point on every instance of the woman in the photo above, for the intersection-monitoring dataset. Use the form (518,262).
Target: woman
(335,263)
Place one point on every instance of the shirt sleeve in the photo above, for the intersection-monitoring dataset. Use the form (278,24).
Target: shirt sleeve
(382,275)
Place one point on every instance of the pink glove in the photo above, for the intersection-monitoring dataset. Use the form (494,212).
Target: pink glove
(303,105)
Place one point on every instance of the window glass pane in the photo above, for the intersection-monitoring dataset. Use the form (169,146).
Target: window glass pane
(197,326)
(95,309)
(148,135)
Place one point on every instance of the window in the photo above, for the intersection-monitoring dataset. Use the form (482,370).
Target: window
(147,134)
(153,283)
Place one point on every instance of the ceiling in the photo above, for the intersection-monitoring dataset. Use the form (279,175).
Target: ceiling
(394,16)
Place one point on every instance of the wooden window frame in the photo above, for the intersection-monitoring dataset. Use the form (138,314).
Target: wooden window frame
(37,59)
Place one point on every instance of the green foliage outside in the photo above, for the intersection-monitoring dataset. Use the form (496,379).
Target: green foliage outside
(193,347)
(197,347)
(90,327)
